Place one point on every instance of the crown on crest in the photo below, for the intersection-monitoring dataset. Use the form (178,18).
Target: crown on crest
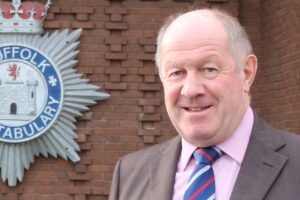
(27,17)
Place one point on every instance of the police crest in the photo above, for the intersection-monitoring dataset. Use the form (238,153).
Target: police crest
(40,92)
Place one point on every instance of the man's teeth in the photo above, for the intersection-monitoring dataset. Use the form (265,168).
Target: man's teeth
(197,109)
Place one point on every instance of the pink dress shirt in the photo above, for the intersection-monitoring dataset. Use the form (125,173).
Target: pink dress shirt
(225,168)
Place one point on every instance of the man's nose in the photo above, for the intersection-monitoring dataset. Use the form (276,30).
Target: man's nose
(193,86)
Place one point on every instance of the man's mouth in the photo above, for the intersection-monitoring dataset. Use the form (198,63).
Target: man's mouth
(197,109)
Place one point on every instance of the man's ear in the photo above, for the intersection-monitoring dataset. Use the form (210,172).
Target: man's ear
(249,71)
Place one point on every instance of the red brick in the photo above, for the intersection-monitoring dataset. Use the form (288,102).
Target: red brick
(78,177)
(87,116)
(132,78)
(149,117)
(115,40)
(153,102)
(148,71)
(115,78)
(50,16)
(82,17)
(150,79)
(149,109)
(115,71)
(217,1)
(85,161)
(55,9)
(115,56)
(149,132)
(86,10)
(80,168)
(65,9)
(80,190)
(147,56)
(116,48)
(84,25)
(81,138)
(52,24)
(116,10)
(116,86)
(150,49)
(149,34)
(150,87)
(116,18)
(79,197)
(85,146)
(116,26)
(147,41)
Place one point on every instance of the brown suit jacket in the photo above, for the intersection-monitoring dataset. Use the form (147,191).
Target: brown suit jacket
(270,169)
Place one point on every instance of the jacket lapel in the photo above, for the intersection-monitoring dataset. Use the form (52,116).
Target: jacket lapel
(163,170)
(261,165)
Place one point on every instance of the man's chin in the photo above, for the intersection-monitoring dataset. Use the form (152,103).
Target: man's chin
(202,139)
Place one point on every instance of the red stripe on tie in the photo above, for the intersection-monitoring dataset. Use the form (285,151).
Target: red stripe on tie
(202,188)
(206,155)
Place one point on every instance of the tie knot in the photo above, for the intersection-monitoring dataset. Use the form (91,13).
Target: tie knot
(207,155)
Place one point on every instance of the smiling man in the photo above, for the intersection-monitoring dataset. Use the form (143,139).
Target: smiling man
(201,79)
(224,150)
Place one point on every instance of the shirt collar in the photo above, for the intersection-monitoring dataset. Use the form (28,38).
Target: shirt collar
(186,153)
(235,146)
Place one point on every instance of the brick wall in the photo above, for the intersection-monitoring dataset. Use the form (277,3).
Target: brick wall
(116,52)
(277,92)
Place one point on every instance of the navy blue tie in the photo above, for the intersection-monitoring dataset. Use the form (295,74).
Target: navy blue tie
(201,185)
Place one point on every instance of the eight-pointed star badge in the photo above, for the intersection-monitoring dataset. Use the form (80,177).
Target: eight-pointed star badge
(40,92)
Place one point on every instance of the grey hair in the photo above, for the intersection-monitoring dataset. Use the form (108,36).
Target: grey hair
(239,43)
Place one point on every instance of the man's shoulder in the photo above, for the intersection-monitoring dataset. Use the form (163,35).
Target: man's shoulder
(149,153)
(286,142)
(290,138)
(263,131)
(153,150)
(292,141)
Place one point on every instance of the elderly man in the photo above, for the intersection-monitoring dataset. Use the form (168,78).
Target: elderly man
(224,150)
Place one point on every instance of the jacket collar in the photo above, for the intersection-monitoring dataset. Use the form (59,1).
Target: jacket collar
(262,162)
(163,170)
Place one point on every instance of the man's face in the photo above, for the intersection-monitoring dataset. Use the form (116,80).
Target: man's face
(204,92)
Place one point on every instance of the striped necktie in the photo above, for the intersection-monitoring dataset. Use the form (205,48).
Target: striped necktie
(201,185)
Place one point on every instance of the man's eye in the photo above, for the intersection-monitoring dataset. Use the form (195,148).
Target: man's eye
(177,73)
(210,72)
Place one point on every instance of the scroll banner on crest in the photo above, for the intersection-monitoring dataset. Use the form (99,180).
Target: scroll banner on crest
(40,92)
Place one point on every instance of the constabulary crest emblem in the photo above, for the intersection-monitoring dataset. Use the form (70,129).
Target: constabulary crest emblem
(40,92)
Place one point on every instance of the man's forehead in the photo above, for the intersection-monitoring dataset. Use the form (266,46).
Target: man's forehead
(195,25)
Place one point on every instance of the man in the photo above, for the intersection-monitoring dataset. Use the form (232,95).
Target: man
(207,67)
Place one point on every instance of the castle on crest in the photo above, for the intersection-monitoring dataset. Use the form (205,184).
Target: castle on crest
(18,99)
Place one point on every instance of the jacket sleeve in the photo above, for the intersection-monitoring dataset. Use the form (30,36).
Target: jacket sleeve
(114,191)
